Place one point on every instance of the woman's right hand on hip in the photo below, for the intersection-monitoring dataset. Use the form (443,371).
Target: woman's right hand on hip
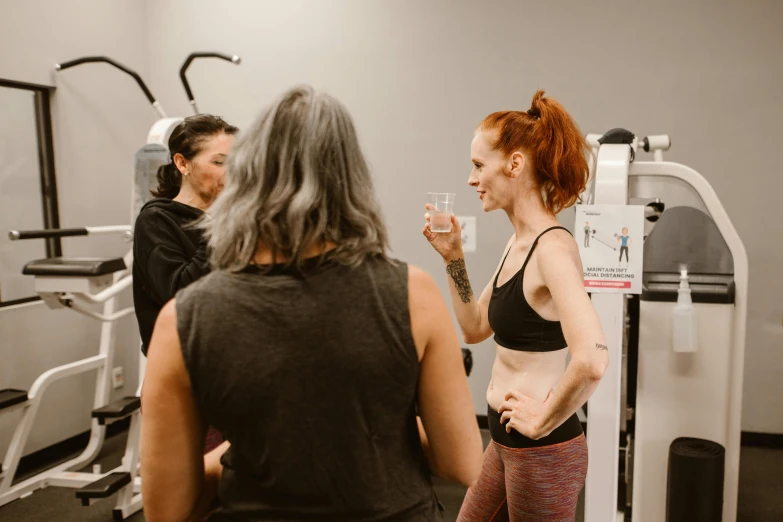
(447,244)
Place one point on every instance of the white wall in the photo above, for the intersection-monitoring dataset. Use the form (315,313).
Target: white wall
(100,118)
(419,76)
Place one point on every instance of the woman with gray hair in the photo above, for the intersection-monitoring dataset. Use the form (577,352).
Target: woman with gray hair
(308,347)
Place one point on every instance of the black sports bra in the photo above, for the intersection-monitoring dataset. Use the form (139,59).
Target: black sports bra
(516,325)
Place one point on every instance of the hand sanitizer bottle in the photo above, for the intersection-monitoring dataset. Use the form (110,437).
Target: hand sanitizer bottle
(685,327)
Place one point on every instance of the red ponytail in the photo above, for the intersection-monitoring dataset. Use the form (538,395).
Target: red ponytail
(554,143)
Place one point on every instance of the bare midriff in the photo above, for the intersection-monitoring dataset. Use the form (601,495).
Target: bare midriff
(533,374)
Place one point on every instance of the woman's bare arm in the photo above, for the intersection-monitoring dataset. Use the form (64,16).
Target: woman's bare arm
(175,486)
(471,312)
(448,426)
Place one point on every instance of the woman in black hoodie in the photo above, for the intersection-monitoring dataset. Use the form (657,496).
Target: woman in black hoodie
(168,255)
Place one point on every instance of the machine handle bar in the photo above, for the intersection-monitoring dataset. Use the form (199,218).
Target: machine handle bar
(648,143)
(123,68)
(183,70)
(16,235)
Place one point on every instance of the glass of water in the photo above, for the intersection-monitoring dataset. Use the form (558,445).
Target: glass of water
(442,206)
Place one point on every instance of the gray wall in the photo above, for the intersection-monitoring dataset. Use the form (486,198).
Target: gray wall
(100,118)
(20,190)
(418,76)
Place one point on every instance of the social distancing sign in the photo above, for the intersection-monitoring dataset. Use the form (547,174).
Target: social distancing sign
(611,245)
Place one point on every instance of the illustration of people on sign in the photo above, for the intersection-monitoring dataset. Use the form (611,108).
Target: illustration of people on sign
(624,241)
(587,235)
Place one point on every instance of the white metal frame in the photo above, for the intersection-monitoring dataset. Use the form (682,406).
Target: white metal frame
(603,418)
(161,131)
(71,291)
(611,186)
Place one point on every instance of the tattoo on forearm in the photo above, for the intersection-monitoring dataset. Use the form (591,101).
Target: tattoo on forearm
(456,269)
(601,347)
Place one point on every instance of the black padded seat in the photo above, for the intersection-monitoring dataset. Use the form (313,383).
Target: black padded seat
(73,267)
(11,397)
(104,488)
(117,409)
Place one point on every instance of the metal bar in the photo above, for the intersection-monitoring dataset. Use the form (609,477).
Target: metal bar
(109,229)
(104,318)
(123,68)
(61,372)
(14,84)
(110,292)
(130,461)
(43,124)
(603,417)
(183,70)
(19,235)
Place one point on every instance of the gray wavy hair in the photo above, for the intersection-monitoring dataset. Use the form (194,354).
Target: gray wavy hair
(296,178)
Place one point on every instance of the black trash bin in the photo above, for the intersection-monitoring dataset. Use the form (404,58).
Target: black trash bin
(694,491)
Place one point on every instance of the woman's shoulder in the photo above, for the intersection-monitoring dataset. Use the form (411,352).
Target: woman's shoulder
(415,275)
(417,280)
(557,239)
(153,213)
(556,247)
(399,274)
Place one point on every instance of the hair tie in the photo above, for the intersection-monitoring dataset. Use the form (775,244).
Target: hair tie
(534,113)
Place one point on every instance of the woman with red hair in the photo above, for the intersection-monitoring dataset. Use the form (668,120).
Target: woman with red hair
(531,165)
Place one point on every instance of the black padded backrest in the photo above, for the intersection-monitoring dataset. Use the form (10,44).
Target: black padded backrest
(148,159)
(687,236)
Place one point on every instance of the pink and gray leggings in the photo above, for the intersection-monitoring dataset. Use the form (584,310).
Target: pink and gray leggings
(525,480)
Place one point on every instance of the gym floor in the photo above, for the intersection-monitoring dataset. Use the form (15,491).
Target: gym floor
(760,499)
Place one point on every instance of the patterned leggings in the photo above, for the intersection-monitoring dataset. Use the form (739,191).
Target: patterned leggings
(528,484)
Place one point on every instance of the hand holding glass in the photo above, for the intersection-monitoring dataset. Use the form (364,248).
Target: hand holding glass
(442,204)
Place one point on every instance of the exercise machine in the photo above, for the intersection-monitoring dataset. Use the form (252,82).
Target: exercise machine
(654,392)
(79,284)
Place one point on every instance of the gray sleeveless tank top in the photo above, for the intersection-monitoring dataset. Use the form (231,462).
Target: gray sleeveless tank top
(313,380)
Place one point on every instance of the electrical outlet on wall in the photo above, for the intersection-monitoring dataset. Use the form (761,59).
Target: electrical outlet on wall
(117,377)
(468,226)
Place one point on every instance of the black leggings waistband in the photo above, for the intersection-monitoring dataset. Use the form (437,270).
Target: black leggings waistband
(569,430)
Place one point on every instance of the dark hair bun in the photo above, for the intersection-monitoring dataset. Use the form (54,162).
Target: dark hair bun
(169,181)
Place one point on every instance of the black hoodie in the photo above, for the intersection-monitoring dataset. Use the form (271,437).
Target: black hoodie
(167,257)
